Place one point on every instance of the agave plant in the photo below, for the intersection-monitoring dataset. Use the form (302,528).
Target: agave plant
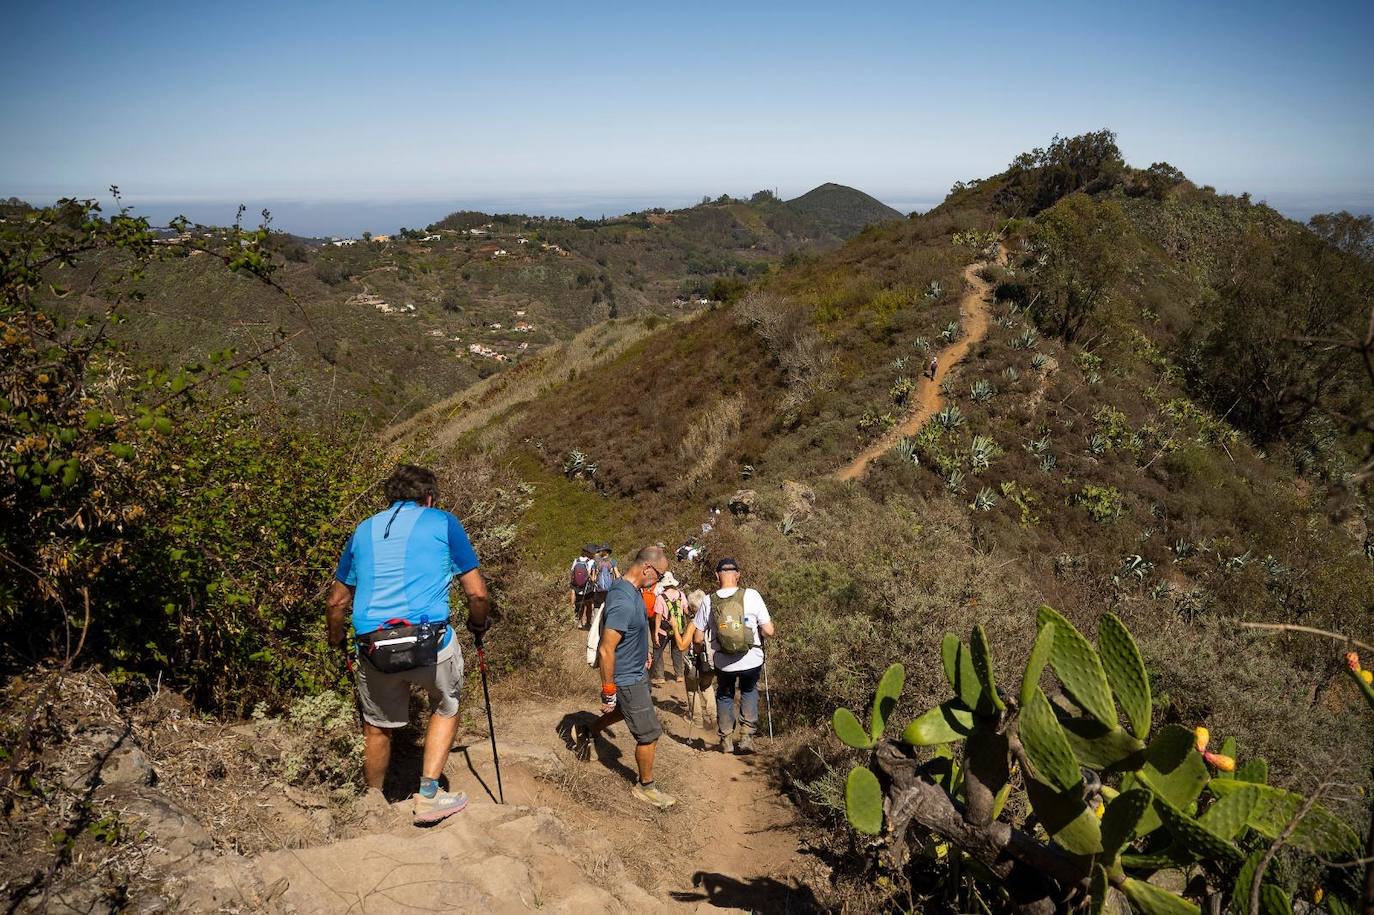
(982,390)
(951,417)
(985,500)
(1039,445)
(901,389)
(1098,443)
(899,364)
(955,481)
(908,452)
(934,290)
(982,451)
(574,463)
(1094,378)
(1006,321)
(1136,566)
(922,345)
(1183,548)
(950,332)
(1011,373)
(1040,362)
(1048,462)
(1027,340)
(1161,590)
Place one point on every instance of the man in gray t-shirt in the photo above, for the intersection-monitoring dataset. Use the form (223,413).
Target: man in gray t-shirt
(623,657)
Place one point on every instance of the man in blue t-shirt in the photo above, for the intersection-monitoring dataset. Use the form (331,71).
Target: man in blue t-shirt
(623,657)
(396,569)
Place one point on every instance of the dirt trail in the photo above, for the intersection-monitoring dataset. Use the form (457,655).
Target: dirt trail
(973,317)
(731,841)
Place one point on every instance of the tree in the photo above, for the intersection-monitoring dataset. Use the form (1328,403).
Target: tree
(1349,233)
(1036,180)
(1077,251)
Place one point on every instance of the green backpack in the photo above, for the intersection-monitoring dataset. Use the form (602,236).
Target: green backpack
(731,632)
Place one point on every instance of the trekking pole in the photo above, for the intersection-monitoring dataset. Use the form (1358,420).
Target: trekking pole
(767,697)
(491,727)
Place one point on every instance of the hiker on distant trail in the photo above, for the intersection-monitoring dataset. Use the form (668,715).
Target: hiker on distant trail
(671,623)
(582,586)
(733,623)
(395,572)
(933,366)
(701,672)
(624,663)
(605,572)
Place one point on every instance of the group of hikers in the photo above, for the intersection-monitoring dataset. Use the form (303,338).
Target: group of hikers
(392,584)
(715,641)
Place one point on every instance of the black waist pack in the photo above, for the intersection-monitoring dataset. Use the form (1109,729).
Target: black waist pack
(399,646)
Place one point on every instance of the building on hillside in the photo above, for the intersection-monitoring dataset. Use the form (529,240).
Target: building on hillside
(433,238)
(343,242)
(495,326)
(381,238)
(501,252)
(476,232)
(523,327)
(520,314)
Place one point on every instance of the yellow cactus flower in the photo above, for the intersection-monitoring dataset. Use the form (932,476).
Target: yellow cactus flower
(1100,809)
(1367,676)
(1318,895)
(1202,736)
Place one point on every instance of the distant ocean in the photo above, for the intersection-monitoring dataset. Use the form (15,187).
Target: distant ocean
(351,218)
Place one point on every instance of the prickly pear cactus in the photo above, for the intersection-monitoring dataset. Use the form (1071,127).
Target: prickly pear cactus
(1114,799)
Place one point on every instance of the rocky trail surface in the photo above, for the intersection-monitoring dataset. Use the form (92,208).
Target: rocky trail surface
(569,838)
(973,318)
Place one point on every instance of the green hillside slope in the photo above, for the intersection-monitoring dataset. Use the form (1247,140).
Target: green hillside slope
(842,210)
(1098,449)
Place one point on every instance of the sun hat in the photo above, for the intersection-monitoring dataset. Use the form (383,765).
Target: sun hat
(668,581)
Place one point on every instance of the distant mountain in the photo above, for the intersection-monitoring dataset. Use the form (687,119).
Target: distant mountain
(841,210)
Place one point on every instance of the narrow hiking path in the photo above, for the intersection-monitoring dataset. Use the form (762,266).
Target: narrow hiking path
(974,316)
(731,841)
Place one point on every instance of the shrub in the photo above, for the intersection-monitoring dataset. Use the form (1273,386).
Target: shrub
(1102,503)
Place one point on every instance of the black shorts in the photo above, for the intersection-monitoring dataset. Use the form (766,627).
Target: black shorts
(637,705)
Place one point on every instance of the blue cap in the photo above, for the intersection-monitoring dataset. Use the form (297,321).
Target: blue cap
(727,565)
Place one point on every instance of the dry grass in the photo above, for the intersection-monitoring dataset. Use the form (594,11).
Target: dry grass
(708,437)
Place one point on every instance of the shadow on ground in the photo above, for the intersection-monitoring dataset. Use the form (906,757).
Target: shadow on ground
(758,894)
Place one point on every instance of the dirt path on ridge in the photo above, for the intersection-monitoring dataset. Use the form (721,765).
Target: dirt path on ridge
(974,315)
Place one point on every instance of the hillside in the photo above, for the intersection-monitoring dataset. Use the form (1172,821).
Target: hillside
(1147,403)
(1100,448)
(388,326)
(841,210)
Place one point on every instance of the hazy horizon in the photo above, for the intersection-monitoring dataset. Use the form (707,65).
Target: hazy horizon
(582,108)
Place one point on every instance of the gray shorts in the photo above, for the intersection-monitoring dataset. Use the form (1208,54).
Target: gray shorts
(637,705)
(385,698)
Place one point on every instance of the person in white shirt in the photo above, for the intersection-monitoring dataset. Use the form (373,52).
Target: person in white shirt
(735,671)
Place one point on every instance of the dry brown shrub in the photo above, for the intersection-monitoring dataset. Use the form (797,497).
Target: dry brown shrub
(708,438)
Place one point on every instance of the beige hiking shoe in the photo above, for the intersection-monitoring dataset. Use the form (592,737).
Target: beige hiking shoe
(650,794)
(433,809)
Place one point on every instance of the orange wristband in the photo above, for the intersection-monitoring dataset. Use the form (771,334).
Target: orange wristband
(608,689)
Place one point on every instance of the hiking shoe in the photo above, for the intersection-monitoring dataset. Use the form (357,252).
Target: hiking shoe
(745,744)
(582,742)
(727,745)
(433,809)
(650,794)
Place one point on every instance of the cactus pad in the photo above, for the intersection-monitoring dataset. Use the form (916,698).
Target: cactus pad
(1104,749)
(949,653)
(1173,769)
(1097,890)
(863,801)
(967,686)
(1078,667)
(989,703)
(1229,815)
(1066,818)
(1195,838)
(1320,831)
(1120,820)
(945,723)
(1125,672)
(1039,657)
(889,688)
(848,729)
(1148,899)
(1254,770)
(1046,744)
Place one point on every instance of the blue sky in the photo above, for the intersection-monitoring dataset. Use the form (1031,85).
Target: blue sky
(549,104)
